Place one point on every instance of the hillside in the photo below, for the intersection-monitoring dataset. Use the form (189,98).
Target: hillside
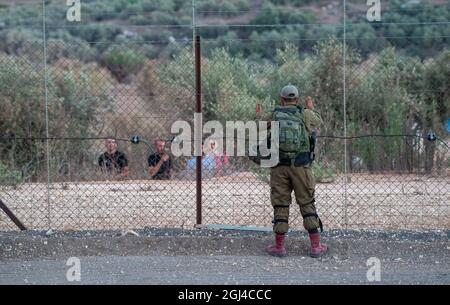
(406,24)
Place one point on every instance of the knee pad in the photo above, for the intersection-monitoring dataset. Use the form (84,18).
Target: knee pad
(281,219)
(280,226)
(311,220)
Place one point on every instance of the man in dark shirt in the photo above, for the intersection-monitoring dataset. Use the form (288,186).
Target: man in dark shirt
(113,161)
(159,163)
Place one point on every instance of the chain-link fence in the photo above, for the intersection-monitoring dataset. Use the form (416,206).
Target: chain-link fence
(65,102)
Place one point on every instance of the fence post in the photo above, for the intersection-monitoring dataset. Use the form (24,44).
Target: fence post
(44,29)
(198,110)
(11,216)
(344,84)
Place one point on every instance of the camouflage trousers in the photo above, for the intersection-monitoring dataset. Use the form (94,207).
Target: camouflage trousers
(284,180)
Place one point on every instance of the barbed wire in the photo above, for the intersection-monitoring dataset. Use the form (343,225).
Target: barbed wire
(429,137)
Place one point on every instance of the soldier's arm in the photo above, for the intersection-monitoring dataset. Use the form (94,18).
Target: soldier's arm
(260,115)
(263,116)
(266,117)
(313,119)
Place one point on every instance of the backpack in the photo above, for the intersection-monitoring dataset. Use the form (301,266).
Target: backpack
(294,138)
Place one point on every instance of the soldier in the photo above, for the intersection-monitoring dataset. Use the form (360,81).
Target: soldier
(293,171)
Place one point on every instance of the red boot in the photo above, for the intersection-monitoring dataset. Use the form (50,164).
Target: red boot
(278,249)
(317,248)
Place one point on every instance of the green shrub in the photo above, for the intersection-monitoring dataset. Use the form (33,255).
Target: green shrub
(272,14)
(324,172)
(75,49)
(155,5)
(261,173)
(212,7)
(96,32)
(21,43)
(9,177)
(164,18)
(78,97)
(122,61)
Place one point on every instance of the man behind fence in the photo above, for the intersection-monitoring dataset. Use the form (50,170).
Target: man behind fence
(113,161)
(160,163)
(293,171)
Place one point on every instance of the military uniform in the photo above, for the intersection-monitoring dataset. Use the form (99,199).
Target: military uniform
(294,173)
(295,176)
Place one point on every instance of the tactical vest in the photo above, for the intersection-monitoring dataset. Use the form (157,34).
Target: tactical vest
(294,138)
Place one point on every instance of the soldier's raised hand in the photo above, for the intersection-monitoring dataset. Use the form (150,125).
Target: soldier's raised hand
(309,103)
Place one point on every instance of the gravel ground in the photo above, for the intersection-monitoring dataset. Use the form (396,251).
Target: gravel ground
(382,202)
(204,257)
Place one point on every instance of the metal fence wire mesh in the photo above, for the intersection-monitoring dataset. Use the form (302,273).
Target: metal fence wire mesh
(61,100)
